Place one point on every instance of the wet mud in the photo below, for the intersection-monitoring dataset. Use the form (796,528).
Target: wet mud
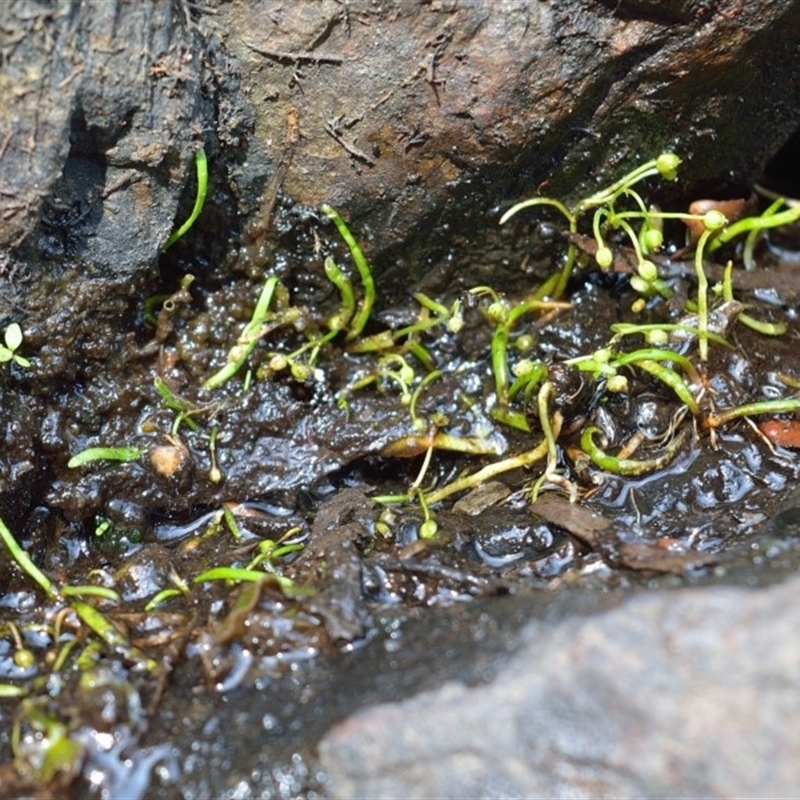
(305,477)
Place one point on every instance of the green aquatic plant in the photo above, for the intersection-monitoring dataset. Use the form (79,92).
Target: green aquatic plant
(248,338)
(8,351)
(604,203)
(42,744)
(201,169)
(25,563)
(629,466)
(91,454)
(362,315)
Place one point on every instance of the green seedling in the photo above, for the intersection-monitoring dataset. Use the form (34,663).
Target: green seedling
(491,471)
(550,431)
(362,316)
(603,202)
(429,527)
(451,319)
(504,320)
(55,751)
(604,364)
(172,401)
(13,339)
(90,590)
(25,563)
(180,588)
(528,374)
(107,632)
(234,574)
(621,329)
(243,575)
(340,320)
(201,167)
(248,339)
(770,218)
(714,221)
(629,466)
(270,551)
(764,328)
(787,405)
(91,454)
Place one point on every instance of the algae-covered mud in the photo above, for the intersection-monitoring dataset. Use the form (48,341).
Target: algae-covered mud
(225,489)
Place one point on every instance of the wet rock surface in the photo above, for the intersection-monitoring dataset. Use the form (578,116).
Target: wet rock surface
(416,114)
(407,115)
(109,98)
(515,649)
(683,693)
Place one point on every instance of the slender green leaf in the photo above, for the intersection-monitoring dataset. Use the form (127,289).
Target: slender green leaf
(104,454)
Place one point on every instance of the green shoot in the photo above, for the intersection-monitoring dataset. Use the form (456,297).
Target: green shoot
(367,282)
(25,563)
(108,633)
(788,405)
(628,466)
(492,471)
(243,575)
(91,591)
(172,401)
(104,454)
(335,275)
(769,219)
(201,165)
(246,342)
(13,339)
(764,328)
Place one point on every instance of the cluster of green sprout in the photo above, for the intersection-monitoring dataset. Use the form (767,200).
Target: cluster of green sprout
(524,389)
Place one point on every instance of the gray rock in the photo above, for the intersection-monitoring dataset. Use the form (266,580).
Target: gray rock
(676,693)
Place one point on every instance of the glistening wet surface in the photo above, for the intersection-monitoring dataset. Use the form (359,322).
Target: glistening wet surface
(323,486)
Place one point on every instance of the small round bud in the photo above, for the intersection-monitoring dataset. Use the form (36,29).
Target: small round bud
(604,257)
(278,363)
(617,383)
(301,372)
(638,305)
(602,356)
(667,165)
(523,367)
(714,220)
(525,343)
(653,239)
(648,271)
(407,374)
(338,322)
(497,312)
(640,285)
(455,323)
(24,658)
(428,529)
(656,337)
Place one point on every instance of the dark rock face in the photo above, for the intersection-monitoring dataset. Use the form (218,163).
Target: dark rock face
(103,105)
(691,693)
(413,114)
(404,115)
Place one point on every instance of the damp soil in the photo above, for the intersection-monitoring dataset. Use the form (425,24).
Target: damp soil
(279,472)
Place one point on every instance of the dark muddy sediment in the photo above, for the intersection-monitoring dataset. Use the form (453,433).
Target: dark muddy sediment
(356,607)
(297,467)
